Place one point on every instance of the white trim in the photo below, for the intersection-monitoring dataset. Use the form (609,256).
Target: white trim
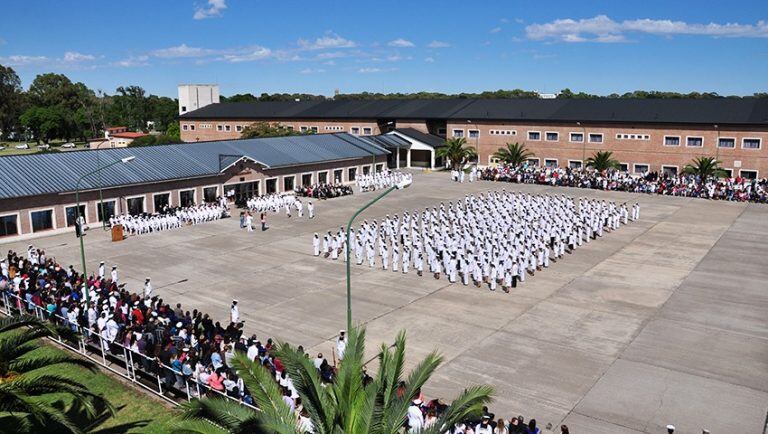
(493,161)
(159,193)
(73,205)
(669,166)
(551,132)
(143,203)
(357,173)
(257,181)
(369,133)
(634,167)
(557,163)
(246,158)
(18,224)
(759,143)
(311,178)
(53,218)
(626,164)
(570,138)
(303,128)
(294,182)
(757,172)
(333,174)
(352,131)
(326,175)
(581,163)
(726,147)
(589,137)
(728,169)
(194,196)
(382,165)
(469,134)
(370,169)
(664,141)
(538,161)
(454,130)
(202,190)
(528,136)
(315,129)
(277,186)
(114,208)
(694,137)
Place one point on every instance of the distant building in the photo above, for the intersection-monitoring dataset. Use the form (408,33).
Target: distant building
(195,96)
(115,140)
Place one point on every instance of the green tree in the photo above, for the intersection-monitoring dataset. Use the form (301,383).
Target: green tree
(27,392)
(456,151)
(173,131)
(602,160)
(347,405)
(46,123)
(11,101)
(513,154)
(704,168)
(266,129)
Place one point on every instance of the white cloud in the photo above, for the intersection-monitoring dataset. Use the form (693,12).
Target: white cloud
(133,61)
(249,55)
(429,59)
(369,70)
(312,71)
(22,60)
(400,42)
(331,55)
(181,51)
(495,30)
(214,9)
(233,55)
(438,44)
(74,57)
(329,41)
(601,28)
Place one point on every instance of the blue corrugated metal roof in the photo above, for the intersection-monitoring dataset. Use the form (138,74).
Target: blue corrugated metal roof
(31,175)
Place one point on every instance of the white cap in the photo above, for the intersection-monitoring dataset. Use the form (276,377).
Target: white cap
(670,426)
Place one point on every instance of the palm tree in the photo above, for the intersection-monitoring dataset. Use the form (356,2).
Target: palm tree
(457,153)
(602,161)
(27,393)
(514,154)
(704,168)
(348,405)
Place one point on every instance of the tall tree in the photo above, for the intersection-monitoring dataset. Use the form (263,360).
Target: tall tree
(456,151)
(11,101)
(266,129)
(347,405)
(513,154)
(602,160)
(704,168)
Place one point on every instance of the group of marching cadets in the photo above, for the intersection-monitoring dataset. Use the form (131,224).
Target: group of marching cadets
(496,238)
(169,219)
(275,202)
(383,179)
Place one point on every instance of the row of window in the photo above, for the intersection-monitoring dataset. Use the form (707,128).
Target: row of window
(638,168)
(722,142)
(502,132)
(366,131)
(623,136)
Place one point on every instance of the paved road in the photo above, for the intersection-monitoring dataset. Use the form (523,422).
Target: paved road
(663,321)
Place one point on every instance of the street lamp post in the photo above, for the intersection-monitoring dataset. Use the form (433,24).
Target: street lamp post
(399,186)
(77,210)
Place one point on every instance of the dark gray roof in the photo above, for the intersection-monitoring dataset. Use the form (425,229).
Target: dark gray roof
(35,174)
(428,139)
(388,141)
(753,111)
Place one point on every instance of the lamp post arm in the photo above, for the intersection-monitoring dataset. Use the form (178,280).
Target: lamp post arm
(349,227)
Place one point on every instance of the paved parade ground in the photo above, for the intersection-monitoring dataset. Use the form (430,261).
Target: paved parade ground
(663,321)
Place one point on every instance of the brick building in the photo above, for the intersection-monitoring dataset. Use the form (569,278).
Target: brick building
(644,134)
(37,191)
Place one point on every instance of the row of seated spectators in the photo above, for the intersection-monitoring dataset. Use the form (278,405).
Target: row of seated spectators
(324,191)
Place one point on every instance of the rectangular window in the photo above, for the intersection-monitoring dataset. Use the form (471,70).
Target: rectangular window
(70,214)
(671,140)
(577,137)
(533,161)
(366,170)
(183,108)
(441,132)
(750,143)
(184,127)
(9,225)
(303,128)
(379,167)
(728,173)
(288,183)
(289,127)
(748,174)
(726,142)
(624,167)
(107,211)
(135,205)
(186,197)
(694,142)
(210,194)
(550,162)
(473,134)
(458,133)
(306,180)
(669,170)
(161,200)
(641,168)
(595,138)
(367,131)
(192,127)
(219,127)
(227,128)
(574,164)
(552,137)
(271,186)
(534,135)
(352,174)
(338,176)
(238,128)
(42,220)
(322,177)
(314,130)
(355,130)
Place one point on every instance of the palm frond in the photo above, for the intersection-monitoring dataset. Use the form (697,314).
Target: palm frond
(468,404)
(30,364)
(315,398)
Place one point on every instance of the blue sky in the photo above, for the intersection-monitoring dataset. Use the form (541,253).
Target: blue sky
(389,46)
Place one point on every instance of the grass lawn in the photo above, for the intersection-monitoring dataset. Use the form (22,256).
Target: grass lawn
(10,147)
(131,405)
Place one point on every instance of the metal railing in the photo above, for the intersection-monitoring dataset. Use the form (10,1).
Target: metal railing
(166,382)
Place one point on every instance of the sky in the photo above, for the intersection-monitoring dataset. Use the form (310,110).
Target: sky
(392,46)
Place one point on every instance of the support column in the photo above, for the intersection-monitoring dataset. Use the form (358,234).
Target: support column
(408,159)
(432,159)
(397,164)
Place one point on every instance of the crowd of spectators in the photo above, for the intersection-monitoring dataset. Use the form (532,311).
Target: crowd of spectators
(188,350)
(731,189)
(324,191)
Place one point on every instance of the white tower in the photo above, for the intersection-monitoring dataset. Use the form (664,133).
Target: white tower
(195,96)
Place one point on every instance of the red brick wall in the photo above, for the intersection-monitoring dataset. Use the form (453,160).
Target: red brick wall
(208,130)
